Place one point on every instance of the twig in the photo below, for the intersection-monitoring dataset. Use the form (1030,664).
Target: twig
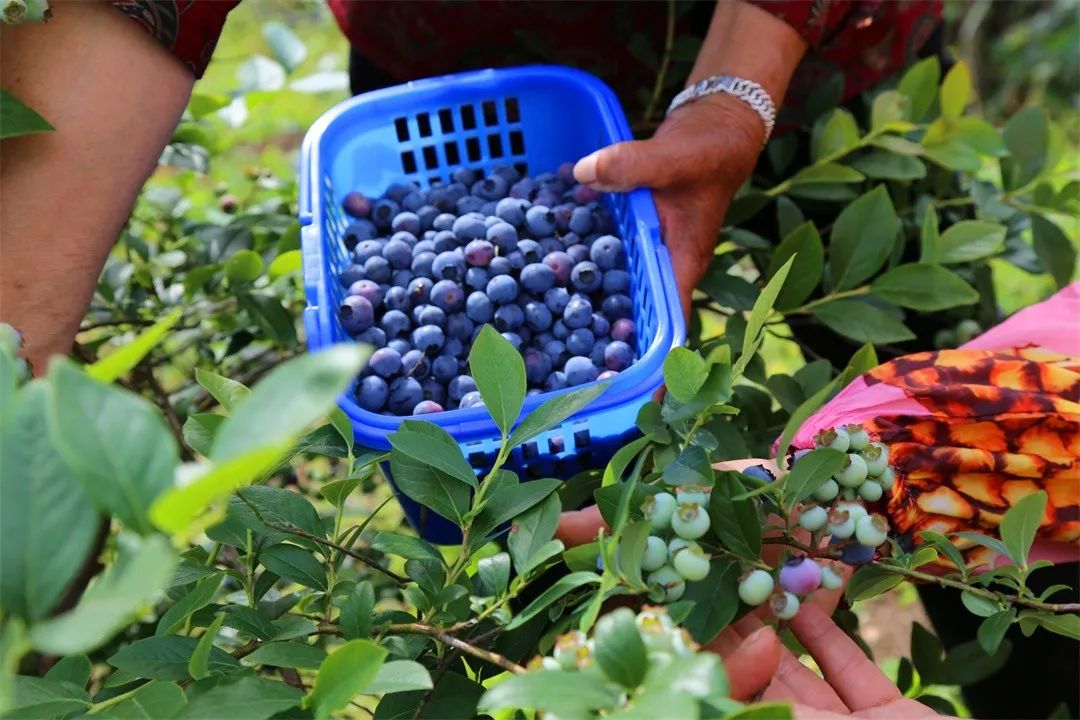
(456,643)
(988,594)
(114,322)
(374,565)
(161,399)
(665,60)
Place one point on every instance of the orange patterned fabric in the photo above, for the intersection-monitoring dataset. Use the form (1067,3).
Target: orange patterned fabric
(1001,425)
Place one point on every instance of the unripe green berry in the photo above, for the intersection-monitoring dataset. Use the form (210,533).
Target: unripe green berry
(854,472)
(841,524)
(871,531)
(682,644)
(692,494)
(655,555)
(692,563)
(855,509)
(13,12)
(835,438)
(813,518)
(870,491)
(945,338)
(658,509)
(567,647)
(690,521)
(857,437)
(677,545)
(826,491)
(784,605)
(655,627)
(876,456)
(887,478)
(830,579)
(756,587)
(667,584)
(966,330)
(548,663)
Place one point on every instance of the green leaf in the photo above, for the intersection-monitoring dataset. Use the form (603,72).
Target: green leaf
(805,245)
(1020,524)
(945,546)
(888,166)
(684,373)
(276,507)
(728,290)
(284,264)
(271,317)
(406,546)
(898,145)
(631,548)
(735,522)
(699,676)
(970,240)
(344,673)
(288,48)
(199,665)
(929,237)
(979,135)
(862,238)
(249,621)
(862,322)
(494,573)
(202,104)
(499,373)
(288,400)
(870,581)
(956,90)
(47,522)
(296,564)
(200,429)
(890,110)
(811,472)
(924,287)
(619,649)
(987,542)
(555,591)
(978,605)
(445,495)
(554,412)
(18,119)
(1027,136)
(166,658)
(919,84)
(245,266)
(337,492)
(992,630)
(511,499)
(117,363)
(287,654)
(576,693)
(430,444)
(1067,624)
(833,133)
(399,676)
(453,698)
(691,467)
(1055,251)
(716,600)
(825,174)
(952,154)
(356,612)
(756,322)
(196,599)
(116,443)
(153,701)
(532,530)
(38,697)
(74,669)
(142,568)
(227,392)
(621,460)
(246,698)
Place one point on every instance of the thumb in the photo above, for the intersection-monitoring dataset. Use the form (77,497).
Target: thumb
(625,166)
(753,664)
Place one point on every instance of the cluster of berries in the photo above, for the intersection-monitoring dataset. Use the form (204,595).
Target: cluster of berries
(533,257)
(672,554)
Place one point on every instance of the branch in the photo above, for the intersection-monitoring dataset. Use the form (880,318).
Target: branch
(289,528)
(665,60)
(456,643)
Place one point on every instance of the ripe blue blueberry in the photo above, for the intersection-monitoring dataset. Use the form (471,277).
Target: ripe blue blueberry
(537,316)
(800,575)
(399,345)
(459,326)
(499,266)
(372,336)
(618,356)
(427,215)
(479,307)
(517,260)
(368,290)
(555,381)
(465,176)
(616,281)
(759,472)
(443,241)
(470,204)
(559,331)
(356,204)
(537,278)
(502,289)
(421,263)
(583,194)
(524,189)
(383,211)
(561,264)
(426,407)
(537,366)
(419,290)
(503,235)
(511,210)
(578,253)
(493,187)
(578,313)
(540,221)
(509,318)
(378,269)
(550,245)
(556,299)
(367,249)
(531,251)
(586,277)
(580,342)
(581,221)
(402,278)
(357,232)
(625,330)
(443,222)
(448,266)
(448,295)
(471,399)
(405,393)
(456,347)
(415,364)
(444,368)
(600,326)
(617,307)
(607,252)
(479,253)
(406,221)
(427,244)
(460,386)
(854,553)
(469,227)
(756,587)
(579,370)
(476,278)
(395,323)
(556,350)
(385,362)
(397,298)
(428,339)
(514,338)
(562,212)
(372,393)
(412,202)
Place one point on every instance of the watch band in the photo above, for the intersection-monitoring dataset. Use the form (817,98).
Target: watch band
(746,90)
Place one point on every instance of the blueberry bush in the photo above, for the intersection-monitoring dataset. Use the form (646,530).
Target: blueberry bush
(189,529)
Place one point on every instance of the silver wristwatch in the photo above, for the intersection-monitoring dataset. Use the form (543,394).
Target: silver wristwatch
(746,90)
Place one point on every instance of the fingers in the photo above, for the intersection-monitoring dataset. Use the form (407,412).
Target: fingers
(751,665)
(854,677)
(625,166)
(578,527)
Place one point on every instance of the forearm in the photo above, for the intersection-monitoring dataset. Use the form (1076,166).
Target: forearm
(114,97)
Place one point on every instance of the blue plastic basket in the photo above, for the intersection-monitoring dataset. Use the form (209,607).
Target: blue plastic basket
(533,118)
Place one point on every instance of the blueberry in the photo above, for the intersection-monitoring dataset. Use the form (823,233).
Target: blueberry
(511,210)
(537,278)
(405,393)
(578,313)
(469,227)
(378,269)
(854,553)
(465,176)
(555,381)
(406,237)
(448,296)
(600,326)
(397,191)
(471,399)
(583,194)
(355,314)
(581,221)
(812,518)
(448,266)
(469,204)
(559,331)
(562,213)
(616,281)
(356,204)
(525,334)
(499,266)
(385,362)
(549,245)
(444,368)
(800,575)
(427,245)
(502,289)
(368,290)
(759,472)
(569,239)
(367,249)
(459,326)
(513,338)
(372,336)
(352,274)
(561,264)
(509,318)
(401,345)
(395,323)
(601,220)
(625,330)
(507,172)
(383,212)
(517,260)
(493,187)
(540,221)
(606,375)
(407,222)
(537,316)
(455,347)
(756,587)
(578,253)
(421,263)
(503,236)
(618,356)
(357,232)
(372,393)
(425,407)
(524,189)
(428,339)
(556,350)
(479,253)
(607,252)
(444,241)
(476,278)
(617,307)
(580,342)
(579,370)
(530,250)
(427,215)
(586,277)
(479,307)
(597,354)
(401,278)
(397,298)
(537,366)
(443,222)
(419,290)
(459,386)
(556,299)
(415,364)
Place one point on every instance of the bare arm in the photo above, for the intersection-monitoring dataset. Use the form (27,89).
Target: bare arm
(114,96)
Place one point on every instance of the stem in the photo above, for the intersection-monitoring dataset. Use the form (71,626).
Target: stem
(115,700)
(456,643)
(981,592)
(665,61)
(805,309)
(831,157)
(371,563)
